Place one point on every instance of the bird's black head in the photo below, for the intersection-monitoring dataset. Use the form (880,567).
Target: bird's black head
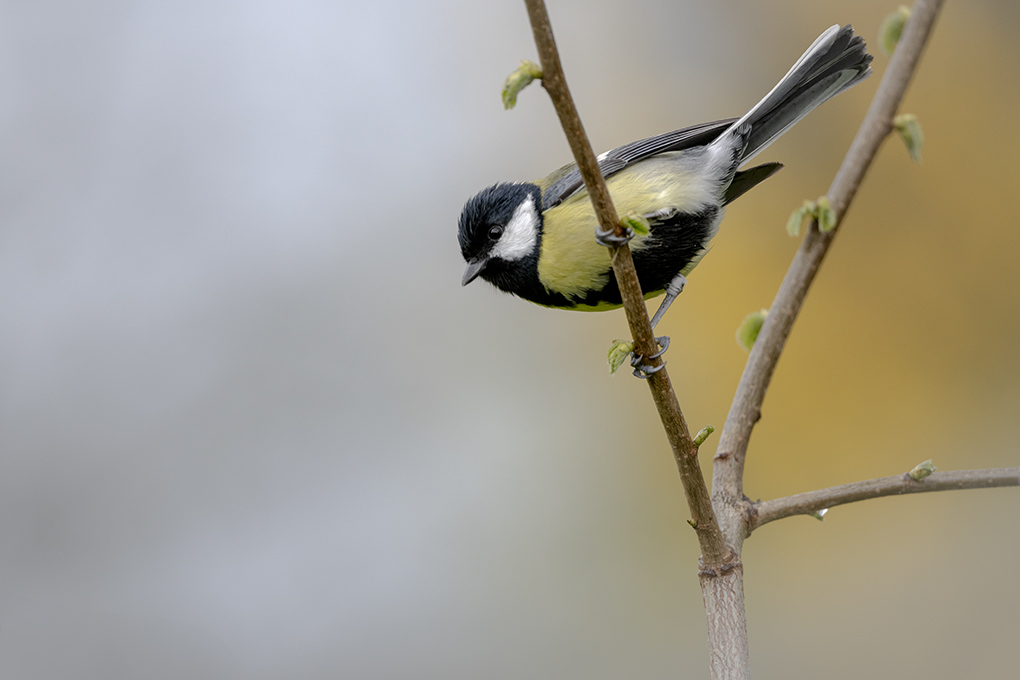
(499,228)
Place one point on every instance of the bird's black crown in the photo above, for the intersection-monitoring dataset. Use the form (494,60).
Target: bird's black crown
(491,207)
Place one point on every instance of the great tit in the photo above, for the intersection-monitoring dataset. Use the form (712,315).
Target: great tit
(536,239)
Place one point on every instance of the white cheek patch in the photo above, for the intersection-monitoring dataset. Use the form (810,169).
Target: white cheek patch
(520,234)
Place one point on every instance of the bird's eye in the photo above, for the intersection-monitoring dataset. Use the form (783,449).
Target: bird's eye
(495,232)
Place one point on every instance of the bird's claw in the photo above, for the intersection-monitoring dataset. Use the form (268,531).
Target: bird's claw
(643,370)
(609,239)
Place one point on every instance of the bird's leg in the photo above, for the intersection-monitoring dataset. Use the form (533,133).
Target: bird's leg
(643,370)
(609,239)
(674,288)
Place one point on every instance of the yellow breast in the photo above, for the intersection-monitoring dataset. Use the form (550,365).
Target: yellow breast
(571,262)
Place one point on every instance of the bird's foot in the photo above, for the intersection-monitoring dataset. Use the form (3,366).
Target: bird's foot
(643,370)
(609,239)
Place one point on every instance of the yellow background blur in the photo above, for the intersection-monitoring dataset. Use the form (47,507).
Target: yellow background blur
(251,426)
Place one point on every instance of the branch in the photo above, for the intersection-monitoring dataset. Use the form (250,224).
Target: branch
(728,469)
(822,499)
(715,552)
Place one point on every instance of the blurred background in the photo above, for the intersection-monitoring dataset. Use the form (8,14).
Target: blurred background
(251,426)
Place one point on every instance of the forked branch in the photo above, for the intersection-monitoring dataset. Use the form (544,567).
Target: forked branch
(728,468)
(714,551)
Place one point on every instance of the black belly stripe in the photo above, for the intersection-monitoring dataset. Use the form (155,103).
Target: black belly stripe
(675,241)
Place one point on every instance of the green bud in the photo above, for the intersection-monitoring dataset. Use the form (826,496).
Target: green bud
(703,435)
(618,353)
(749,328)
(819,210)
(798,217)
(825,214)
(892,28)
(910,132)
(518,80)
(636,222)
(922,470)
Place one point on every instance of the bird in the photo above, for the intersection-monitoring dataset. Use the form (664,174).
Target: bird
(541,241)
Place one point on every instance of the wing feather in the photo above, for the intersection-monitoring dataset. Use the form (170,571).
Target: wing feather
(567,181)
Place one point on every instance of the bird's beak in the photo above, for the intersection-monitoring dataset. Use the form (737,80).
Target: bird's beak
(474,268)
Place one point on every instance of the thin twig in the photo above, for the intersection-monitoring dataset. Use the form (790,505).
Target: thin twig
(814,501)
(714,551)
(728,468)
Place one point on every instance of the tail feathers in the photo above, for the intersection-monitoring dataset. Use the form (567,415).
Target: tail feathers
(835,62)
(745,180)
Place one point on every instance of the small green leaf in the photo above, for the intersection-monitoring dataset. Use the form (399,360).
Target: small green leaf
(819,210)
(922,470)
(825,214)
(703,435)
(798,217)
(636,222)
(749,328)
(518,80)
(910,132)
(618,353)
(892,28)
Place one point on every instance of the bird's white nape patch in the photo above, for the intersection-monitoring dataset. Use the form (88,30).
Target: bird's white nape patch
(520,234)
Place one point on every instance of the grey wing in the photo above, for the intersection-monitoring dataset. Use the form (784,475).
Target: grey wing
(569,183)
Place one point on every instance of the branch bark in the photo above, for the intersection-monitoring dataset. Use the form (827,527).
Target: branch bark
(728,469)
(821,499)
(714,551)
